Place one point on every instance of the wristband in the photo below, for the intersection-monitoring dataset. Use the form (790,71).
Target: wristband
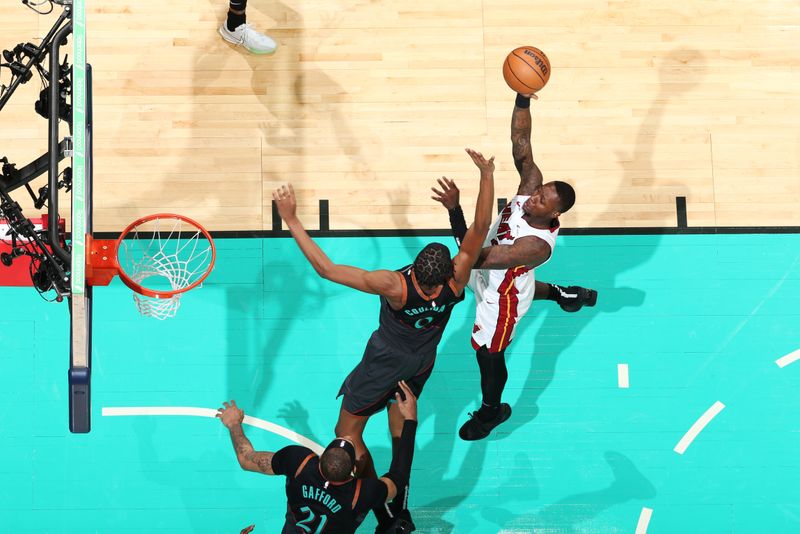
(522,102)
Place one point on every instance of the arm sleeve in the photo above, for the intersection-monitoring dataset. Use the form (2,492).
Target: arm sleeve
(400,470)
(288,459)
(458,225)
(373,494)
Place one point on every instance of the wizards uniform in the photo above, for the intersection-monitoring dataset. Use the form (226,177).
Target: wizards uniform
(315,504)
(402,348)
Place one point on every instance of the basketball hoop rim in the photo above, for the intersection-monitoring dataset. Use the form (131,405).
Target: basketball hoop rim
(128,281)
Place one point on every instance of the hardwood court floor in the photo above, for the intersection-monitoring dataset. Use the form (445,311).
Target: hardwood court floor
(366,103)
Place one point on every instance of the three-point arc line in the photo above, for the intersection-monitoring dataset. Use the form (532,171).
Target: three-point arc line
(692,433)
(789,358)
(698,425)
(644,520)
(208,412)
(644,517)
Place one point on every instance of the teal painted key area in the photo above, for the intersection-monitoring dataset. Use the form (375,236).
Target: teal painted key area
(698,319)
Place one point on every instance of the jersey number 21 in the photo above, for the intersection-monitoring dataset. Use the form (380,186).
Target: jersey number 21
(305,523)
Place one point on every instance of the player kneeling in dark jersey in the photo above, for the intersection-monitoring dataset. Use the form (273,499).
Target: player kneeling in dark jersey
(416,302)
(322,492)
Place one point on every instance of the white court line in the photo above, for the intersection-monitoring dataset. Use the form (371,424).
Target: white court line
(789,358)
(698,425)
(208,412)
(644,520)
(622,375)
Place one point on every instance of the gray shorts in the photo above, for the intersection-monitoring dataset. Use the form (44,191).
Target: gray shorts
(372,384)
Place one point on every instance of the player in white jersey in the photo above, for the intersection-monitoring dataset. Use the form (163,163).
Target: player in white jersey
(503,296)
(522,238)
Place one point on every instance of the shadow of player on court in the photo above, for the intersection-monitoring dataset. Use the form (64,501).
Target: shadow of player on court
(559,330)
(293,100)
(190,471)
(445,470)
(566,514)
(302,114)
(261,318)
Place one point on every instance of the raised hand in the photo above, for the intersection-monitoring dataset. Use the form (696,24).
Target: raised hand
(449,195)
(285,200)
(486,166)
(230,415)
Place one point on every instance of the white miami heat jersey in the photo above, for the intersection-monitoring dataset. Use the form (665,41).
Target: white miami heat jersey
(492,284)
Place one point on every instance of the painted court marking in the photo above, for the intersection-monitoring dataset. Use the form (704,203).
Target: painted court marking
(622,375)
(698,425)
(644,520)
(789,358)
(208,412)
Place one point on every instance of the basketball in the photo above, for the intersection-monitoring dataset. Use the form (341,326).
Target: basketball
(526,69)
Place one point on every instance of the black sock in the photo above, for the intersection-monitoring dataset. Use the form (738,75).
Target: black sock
(494,375)
(236,20)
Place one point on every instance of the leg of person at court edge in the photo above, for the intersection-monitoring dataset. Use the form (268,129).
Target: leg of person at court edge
(235,30)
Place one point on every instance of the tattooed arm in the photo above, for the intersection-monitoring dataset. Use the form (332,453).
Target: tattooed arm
(529,173)
(249,458)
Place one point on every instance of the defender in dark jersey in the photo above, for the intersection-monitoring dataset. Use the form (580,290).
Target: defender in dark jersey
(322,493)
(416,302)
(404,345)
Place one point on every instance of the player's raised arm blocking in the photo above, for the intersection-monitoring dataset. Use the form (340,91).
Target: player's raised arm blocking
(476,234)
(449,197)
(381,282)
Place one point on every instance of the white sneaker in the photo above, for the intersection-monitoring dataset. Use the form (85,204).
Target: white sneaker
(247,36)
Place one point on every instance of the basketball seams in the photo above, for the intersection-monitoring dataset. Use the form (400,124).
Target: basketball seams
(534,68)
(514,74)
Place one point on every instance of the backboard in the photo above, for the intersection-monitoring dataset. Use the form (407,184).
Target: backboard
(81,225)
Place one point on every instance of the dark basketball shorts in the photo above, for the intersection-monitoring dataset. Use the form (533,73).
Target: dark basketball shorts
(370,387)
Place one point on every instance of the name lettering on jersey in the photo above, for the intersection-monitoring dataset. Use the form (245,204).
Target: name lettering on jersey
(422,322)
(427,309)
(504,229)
(311,492)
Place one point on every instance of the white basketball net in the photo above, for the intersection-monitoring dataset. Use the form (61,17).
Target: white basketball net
(165,254)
